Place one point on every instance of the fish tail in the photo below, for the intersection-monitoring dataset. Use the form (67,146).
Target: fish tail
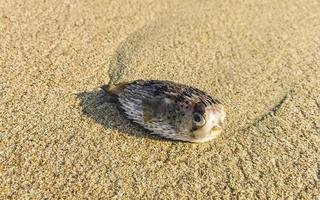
(112,91)
(109,94)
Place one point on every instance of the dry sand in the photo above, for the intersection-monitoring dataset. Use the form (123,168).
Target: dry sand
(262,58)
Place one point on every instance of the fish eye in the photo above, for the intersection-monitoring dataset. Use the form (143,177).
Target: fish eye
(198,119)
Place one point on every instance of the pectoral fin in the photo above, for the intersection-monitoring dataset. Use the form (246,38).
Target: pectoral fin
(147,114)
(155,110)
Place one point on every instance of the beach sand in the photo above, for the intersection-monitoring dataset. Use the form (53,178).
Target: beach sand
(261,58)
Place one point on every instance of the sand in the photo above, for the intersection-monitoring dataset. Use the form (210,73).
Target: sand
(261,58)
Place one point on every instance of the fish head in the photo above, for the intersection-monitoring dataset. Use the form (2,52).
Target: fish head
(207,121)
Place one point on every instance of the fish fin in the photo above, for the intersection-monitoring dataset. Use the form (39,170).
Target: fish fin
(114,89)
(155,110)
(109,95)
(148,114)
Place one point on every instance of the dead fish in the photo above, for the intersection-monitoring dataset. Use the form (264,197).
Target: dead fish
(171,110)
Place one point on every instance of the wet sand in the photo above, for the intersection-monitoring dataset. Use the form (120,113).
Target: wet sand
(261,58)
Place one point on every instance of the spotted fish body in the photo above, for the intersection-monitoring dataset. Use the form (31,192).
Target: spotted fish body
(171,110)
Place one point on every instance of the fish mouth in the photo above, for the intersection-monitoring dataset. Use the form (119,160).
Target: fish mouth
(215,129)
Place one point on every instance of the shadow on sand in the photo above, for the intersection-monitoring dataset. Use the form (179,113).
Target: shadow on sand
(95,106)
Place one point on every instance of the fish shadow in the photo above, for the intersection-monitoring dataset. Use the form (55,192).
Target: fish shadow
(95,106)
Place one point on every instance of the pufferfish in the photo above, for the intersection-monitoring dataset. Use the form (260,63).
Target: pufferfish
(170,110)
